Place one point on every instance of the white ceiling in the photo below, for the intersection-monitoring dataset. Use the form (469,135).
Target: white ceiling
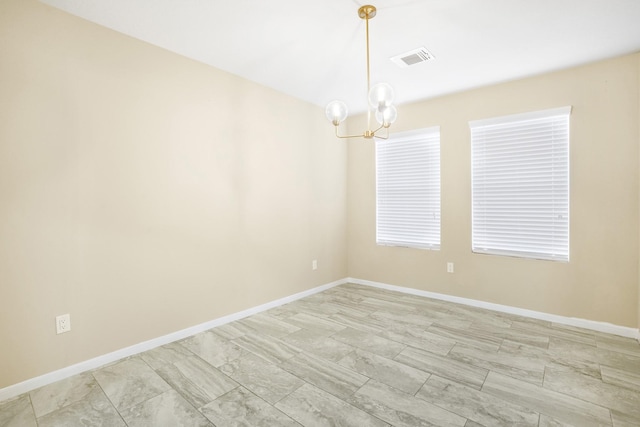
(315,51)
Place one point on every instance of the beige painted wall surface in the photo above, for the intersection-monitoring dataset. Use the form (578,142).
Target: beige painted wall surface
(144,193)
(601,280)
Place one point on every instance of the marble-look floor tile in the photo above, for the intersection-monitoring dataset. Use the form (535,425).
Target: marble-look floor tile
(94,410)
(390,372)
(475,405)
(593,390)
(621,419)
(551,358)
(482,318)
(547,421)
(369,342)
(388,305)
(587,333)
(522,319)
(241,408)
(62,393)
(364,291)
(264,324)
(303,306)
(373,305)
(314,323)
(566,334)
(402,319)
(364,323)
(282,312)
(165,355)
(318,344)
(267,380)
(557,405)
(347,292)
(418,337)
(471,423)
(401,409)
(130,382)
(427,305)
(313,407)
(515,335)
(269,348)
(318,298)
(329,376)
(391,299)
(213,348)
(589,353)
(465,336)
(17,412)
(339,307)
(620,378)
(199,382)
(228,331)
(617,339)
(167,409)
(443,366)
(620,344)
(450,321)
(519,367)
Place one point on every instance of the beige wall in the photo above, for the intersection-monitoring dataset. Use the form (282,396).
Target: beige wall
(601,281)
(144,193)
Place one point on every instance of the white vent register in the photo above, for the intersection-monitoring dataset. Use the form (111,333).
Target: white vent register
(413,57)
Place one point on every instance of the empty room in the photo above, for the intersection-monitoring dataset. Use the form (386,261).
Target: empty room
(285,213)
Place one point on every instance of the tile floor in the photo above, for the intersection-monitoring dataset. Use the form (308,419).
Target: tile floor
(357,356)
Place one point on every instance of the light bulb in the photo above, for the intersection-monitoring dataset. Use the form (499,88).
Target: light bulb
(387,116)
(381,96)
(336,112)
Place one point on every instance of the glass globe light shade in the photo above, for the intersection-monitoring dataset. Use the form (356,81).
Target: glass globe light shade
(336,112)
(387,116)
(381,96)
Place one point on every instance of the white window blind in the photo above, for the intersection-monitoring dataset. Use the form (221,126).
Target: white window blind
(408,189)
(520,185)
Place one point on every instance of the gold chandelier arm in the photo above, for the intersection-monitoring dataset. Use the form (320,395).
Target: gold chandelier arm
(348,136)
(381,137)
(367,134)
(376,130)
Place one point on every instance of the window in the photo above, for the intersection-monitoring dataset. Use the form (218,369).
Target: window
(408,189)
(520,185)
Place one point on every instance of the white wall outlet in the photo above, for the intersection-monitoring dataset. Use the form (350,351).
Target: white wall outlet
(63,323)
(314,264)
(449,267)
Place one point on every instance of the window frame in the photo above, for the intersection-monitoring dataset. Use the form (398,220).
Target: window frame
(490,233)
(419,232)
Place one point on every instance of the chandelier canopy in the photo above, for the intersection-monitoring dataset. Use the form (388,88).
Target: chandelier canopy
(380,97)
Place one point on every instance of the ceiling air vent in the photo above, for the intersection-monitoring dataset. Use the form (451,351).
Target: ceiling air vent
(413,57)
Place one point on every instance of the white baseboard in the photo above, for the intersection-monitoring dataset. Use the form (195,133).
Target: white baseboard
(571,321)
(87,365)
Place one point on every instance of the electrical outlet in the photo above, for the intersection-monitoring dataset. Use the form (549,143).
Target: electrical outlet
(63,323)
(314,264)
(449,267)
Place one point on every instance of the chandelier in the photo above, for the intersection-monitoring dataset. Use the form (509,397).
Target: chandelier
(380,97)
